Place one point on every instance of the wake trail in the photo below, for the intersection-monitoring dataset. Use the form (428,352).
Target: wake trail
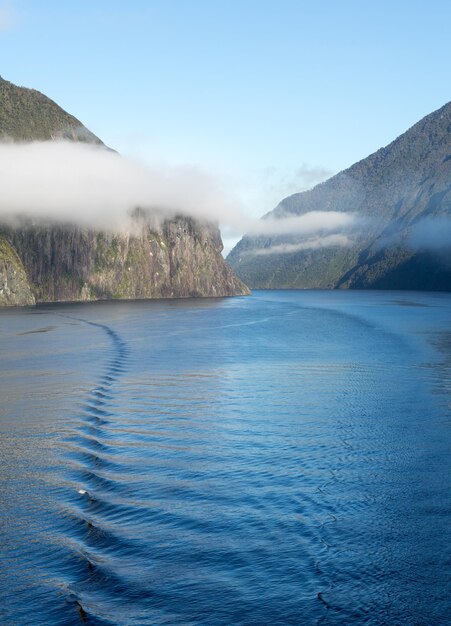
(87,508)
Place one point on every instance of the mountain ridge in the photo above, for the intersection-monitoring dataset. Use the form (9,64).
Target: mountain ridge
(392,188)
(29,115)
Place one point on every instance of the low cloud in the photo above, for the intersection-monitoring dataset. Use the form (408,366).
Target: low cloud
(328,241)
(70,182)
(432,233)
(306,224)
(313,230)
(78,183)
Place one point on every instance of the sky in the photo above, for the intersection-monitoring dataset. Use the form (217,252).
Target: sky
(268,96)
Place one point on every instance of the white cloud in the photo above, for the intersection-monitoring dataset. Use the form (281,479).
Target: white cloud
(306,224)
(328,241)
(85,184)
(89,185)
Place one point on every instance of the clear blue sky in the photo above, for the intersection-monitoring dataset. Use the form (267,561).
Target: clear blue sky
(252,90)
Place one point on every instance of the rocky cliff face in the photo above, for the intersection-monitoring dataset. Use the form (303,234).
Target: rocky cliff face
(177,258)
(45,263)
(398,191)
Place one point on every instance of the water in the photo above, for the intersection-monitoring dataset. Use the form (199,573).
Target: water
(278,459)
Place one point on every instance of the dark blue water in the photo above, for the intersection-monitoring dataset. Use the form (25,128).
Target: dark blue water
(278,459)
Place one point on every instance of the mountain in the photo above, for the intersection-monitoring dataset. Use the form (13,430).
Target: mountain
(44,263)
(28,115)
(400,197)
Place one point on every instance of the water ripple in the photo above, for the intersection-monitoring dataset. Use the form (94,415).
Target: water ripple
(277,460)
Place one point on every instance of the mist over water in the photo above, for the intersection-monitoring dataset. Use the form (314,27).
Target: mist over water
(278,459)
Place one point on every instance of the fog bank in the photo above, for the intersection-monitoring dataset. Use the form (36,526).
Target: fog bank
(90,186)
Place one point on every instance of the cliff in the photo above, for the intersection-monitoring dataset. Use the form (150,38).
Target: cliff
(42,262)
(178,258)
(397,192)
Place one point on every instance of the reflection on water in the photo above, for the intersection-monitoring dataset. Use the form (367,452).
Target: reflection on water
(278,459)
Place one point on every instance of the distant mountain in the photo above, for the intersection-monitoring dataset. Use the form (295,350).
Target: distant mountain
(44,263)
(401,196)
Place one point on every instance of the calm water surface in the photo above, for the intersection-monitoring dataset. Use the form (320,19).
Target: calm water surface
(278,459)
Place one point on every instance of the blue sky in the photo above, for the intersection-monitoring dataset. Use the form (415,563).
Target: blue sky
(271,95)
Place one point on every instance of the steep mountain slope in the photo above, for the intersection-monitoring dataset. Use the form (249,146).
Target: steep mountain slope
(397,193)
(42,262)
(28,115)
(177,258)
